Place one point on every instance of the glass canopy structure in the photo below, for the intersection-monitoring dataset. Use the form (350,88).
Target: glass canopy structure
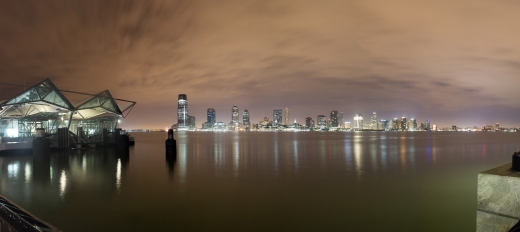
(45,106)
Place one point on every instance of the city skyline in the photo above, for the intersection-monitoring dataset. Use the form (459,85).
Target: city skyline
(453,62)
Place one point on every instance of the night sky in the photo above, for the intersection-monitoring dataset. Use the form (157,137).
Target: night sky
(450,61)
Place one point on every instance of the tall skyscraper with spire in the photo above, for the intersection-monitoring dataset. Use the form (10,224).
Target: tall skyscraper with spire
(286,116)
(182,113)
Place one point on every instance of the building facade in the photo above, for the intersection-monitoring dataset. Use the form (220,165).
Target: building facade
(277,116)
(182,113)
(245,119)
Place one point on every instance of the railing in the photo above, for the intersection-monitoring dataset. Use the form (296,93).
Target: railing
(12,218)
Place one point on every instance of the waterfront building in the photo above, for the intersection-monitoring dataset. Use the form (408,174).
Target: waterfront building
(454,128)
(395,124)
(277,116)
(427,125)
(321,121)
(341,120)
(373,121)
(245,119)
(358,122)
(191,122)
(348,125)
(334,118)
(182,113)
(211,116)
(45,106)
(234,114)
(434,127)
(404,124)
(383,125)
(308,122)
(286,116)
(497,126)
(412,125)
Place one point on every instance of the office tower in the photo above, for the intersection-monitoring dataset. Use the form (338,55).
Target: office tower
(358,122)
(423,126)
(434,127)
(404,124)
(286,116)
(245,119)
(412,125)
(497,126)
(191,122)
(454,128)
(277,116)
(395,124)
(211,116)
(373,121)
(321,121)
(334,118)
(427,126)
(182,113)
(341,120)
(308,122)
(234,114)
(383,125)
(312,123)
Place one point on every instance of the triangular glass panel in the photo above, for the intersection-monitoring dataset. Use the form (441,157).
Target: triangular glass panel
(55,99)
(30,95)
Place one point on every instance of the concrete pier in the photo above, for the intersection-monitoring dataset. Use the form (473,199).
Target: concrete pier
(498,199)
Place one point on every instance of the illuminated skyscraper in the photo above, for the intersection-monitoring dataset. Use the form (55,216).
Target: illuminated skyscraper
(373,121)
(341,120)
(383,125)
(404,124)
(412,125)
(358,122)
(234,115)
(191,122)
(321,121)
(211,116)
(334,118)
(395,124)
(308,122)
(182,113)
(277,116)
(286,116)
(245,119)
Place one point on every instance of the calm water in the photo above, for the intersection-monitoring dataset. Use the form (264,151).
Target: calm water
(264,181)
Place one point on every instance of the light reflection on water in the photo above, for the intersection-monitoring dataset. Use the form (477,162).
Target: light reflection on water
(237,181)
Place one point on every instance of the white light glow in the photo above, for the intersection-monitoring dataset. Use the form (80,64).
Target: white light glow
(63,184)
(118,175)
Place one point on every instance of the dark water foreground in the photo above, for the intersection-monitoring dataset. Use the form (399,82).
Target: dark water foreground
(264,181)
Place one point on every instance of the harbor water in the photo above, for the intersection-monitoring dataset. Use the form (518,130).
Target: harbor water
(263,181)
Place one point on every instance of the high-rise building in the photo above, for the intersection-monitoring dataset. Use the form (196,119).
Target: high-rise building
(277,116)
(234,115)
(348,125)
(286,116)
(321,121)
(358,122)
(334,118)
(373,121)
(412,125)
(312,123)
(341,120)
(211,116)
(497,126)
(404,124)
(245,119)
(395,124)
(383,125)
(191,122)
(454,128)
(308,122)
(428,125)
(182,113)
